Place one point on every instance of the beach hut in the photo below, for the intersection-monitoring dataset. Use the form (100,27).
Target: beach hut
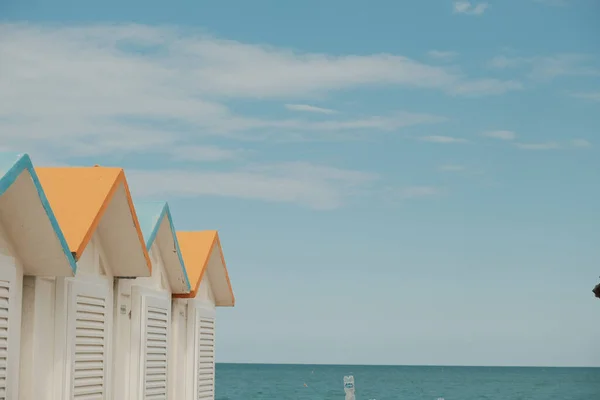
(94,209)
(143,321)
(31,243)
(193,314)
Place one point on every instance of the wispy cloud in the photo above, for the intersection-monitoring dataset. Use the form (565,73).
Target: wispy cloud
(205,153)
(413,192)
(501,62)
(313,186)
(117,88)
(581,143)
(549,67)
(442,55)
(593,96)
(489,86)
(563,65)
(554,2)
(538,146)
(466,7)
(309,108)
(452,168)
(94,135)
(552,145)
(502,135)
(442,139)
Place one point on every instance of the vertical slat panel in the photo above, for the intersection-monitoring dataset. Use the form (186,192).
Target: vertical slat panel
(155,352)
(89,372)
(206,358)
(4,337)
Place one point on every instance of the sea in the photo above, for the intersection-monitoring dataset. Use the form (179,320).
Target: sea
(325,382)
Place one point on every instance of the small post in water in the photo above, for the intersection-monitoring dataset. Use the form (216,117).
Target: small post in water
(349,387)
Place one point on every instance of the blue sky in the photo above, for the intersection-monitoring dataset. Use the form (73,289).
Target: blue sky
(404,182)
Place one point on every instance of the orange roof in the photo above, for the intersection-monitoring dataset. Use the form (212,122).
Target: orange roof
(196,248)
(79,196)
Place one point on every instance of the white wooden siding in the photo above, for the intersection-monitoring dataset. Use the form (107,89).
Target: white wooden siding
(122,339)
(38,339)
(178,351)
(89,316)
(205,292)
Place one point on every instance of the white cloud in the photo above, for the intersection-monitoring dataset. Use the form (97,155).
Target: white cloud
(466,7)
(313,186)
(593,96)
(581,143)
(442,139)
(442,55)
(309,108)
(502,135)
(108,88)
(549,67)
(452,168)
(538,146)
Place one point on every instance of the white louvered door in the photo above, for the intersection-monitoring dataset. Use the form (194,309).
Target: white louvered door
(89,325)
(205,355)
(156,321)
(8,351)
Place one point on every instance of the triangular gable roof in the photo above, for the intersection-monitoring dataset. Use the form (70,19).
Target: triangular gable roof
(197,248)
(80,197)
(12,165)
(156,217)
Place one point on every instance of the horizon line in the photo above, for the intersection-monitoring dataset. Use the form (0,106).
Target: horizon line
(409,365)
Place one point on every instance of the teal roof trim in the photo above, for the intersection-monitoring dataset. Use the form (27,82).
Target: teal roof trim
(151,215)
(12,165)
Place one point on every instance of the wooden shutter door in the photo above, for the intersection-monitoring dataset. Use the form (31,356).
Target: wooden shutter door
(155,343)
(8,351)
(205,353)
(89,319)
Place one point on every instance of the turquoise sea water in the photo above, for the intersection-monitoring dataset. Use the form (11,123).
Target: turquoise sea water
(324,382)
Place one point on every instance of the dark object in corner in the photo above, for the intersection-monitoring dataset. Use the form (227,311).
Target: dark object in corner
(597,291)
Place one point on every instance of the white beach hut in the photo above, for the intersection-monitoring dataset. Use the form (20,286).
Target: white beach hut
(31,243)
(69,332)
(143,321)
(193,344)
